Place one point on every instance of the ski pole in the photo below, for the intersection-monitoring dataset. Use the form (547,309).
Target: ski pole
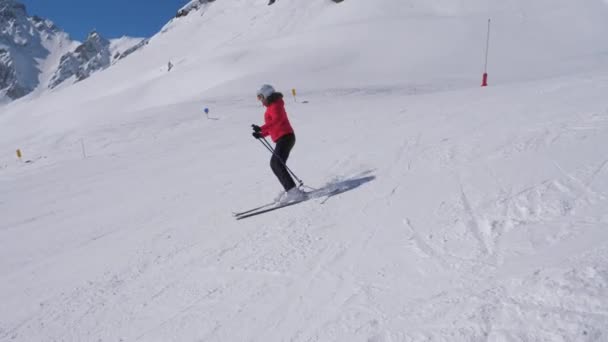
(269,148)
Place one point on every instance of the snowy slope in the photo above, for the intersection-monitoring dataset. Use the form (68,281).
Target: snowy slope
(234,44)
(123,43)
(476,214)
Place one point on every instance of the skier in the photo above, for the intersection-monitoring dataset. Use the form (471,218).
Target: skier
(277,126)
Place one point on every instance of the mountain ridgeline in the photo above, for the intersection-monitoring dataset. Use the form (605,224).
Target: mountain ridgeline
(36,55)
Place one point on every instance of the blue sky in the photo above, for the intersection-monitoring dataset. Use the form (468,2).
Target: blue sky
(111,18)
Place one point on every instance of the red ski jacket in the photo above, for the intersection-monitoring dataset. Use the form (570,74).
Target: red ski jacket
(276,123)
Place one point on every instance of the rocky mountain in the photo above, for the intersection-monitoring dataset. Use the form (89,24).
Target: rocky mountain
(94,54)
(191,6)
(36,55)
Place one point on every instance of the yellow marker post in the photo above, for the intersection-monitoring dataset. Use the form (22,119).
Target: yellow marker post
(19,154)
(293,91)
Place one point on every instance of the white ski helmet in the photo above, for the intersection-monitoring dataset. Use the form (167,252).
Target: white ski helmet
(266,90)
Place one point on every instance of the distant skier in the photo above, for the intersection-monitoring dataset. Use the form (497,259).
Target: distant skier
(276,124)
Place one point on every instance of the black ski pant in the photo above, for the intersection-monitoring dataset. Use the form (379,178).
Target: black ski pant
(282,150)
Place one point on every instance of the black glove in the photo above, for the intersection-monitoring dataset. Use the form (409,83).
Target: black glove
(256,128)
(257,135)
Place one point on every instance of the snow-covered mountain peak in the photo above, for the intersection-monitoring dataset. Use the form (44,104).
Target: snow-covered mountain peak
(35,54)
(44,25)
(14,24)
(94,41)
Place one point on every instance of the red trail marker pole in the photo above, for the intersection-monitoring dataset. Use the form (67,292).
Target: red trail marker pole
(484,81)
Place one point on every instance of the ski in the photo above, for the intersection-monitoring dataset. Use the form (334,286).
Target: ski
(254,209)
(266,210)
(309,196)
(327,192)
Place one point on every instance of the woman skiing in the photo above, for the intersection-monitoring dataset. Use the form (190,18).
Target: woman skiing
(277,126)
